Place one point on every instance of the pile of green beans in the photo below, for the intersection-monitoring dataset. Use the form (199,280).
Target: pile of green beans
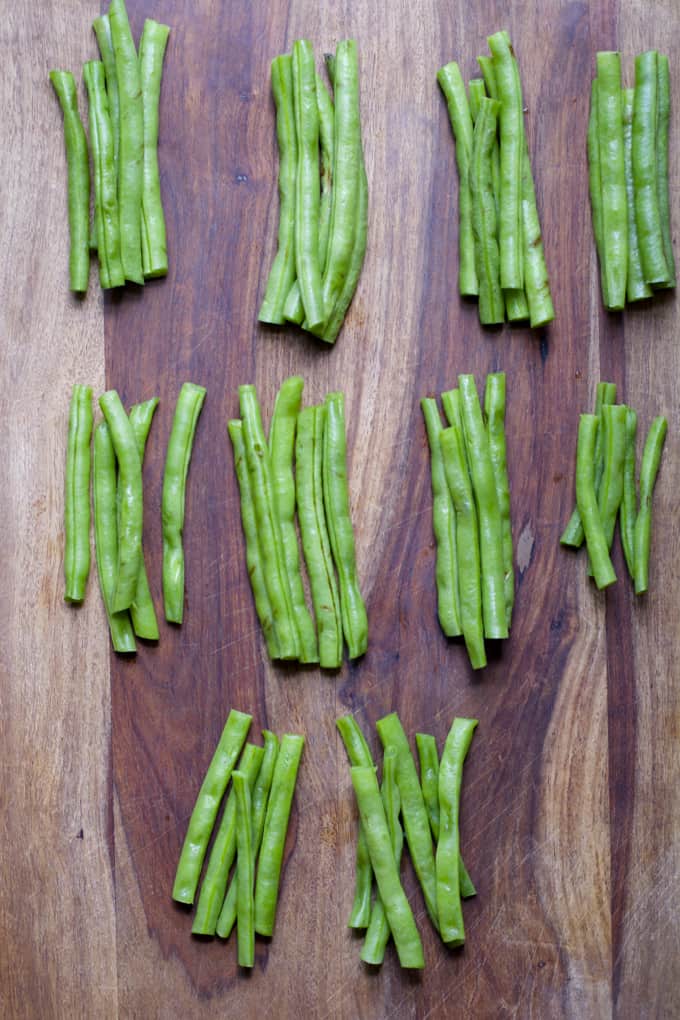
(323,191)
(501,259)
(429,809)
(251,835)
(474,570)
(628,177)
(606,489)
(128,232)
(303,468)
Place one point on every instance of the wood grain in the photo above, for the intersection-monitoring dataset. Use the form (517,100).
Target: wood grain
(571,814)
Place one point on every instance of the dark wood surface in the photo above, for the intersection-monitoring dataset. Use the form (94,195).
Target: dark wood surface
(571,813)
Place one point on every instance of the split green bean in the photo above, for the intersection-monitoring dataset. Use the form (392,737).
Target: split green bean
(377,936)
(78,180)
(629,500)
(448,847)
(663,112)
(77,495)
(105,183)
(153,233)
(359,754)
(573,535)
(477,90)
(327,142)
(651,459)
(613,178)
(484,220)
(647,214)
(595,188)
(245,878)
(511,135)
(142,609)
(636,286)
(586,500)
(307,185)
(102,30)
(494,409)
(610,493)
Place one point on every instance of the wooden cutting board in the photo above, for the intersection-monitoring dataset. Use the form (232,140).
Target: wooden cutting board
(571,814)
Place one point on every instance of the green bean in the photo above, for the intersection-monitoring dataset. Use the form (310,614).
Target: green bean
(452,85)
(448,848)
(224,848)
(378,933)
(467,543)
(106,536)
(314,534)
(281,448)
(130,501)
(663,112)
(102,30)
(399,915)
(245,903)
(268,525)
(636,288)
(340,531)
(359,754)
(595,188)
(429,778)
(647,214)
(494,409)
(207,804)
(153,234)
(629,500)
(488,510)
(263,783)
(477,90)
(586,500)
(142,609)
(131,143)
(444,526)
(573,534)
(180,444)
(253,551)
(282,273)
(613,178)
(307,187)
(275,829)
(491,305)
(610,493)
(536,282)
(414,813)
(643,525)
(77,495)
(105,197)
(78,180)
(511,118)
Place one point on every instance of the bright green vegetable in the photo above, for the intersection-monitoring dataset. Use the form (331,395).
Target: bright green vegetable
(610,493)
(275,829)
(78,180)
(595,188)
(327,141)
(646,190)
(378,933)
(307,185)
(586,500)
(643,525)
(484,220)
(628,511)
(153,234)
(245,878)
(77,495)
(636,287)
(477,90)
(359,754)
(663,113)
(613,178)
(102,30)
(573,535)
(178,457)
(105,183)
(207,804)
(448,847)
(494,410)
(142,609)
(511,118)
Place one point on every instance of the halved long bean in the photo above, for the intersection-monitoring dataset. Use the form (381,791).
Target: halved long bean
(153,235)
(477,90)
(245,903)
(646,191)
(359,754)
(142,609)
(77,495)
(643,525)
(102,30)
(178,457)
(78,180)
(275,829)
(663,112)
(628,513)
(494,409)
(586,500)
(536,282)
(307,186)
(595,189)
(207,804)
(610,494)
(448,847)
(106,216)
(484,220)
(327,143)
(511,134)
(373,950)
(613,178)
(636,287)
(573,535)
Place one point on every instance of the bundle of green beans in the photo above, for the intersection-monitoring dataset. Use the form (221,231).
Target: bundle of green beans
(117,498)
(429,809)
(323,191)
(606,488)
(501,258)
(471,513)
(251,835)
(628,176)
(123,89)
(303,466)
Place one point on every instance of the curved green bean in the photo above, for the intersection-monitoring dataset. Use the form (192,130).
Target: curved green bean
(484,226)
(245,878)
(275,829)
(449,909)
(78,165)
(586,500)
(131,143)
(207,804)
(102,30)
(178,457)
(595,189)
(153,234)
(358,753)
(340,531)
(314,534)
(307,185)
(636,287)
(444,526)
(573,535)
(282,273)
(105,197)
(377,936)
(130,501)
(663,113)
(651,459)
(629,500)
(77,495)
(452,85)
(613,178)
(142,609)
(494,410)
(281,450)
(511,118)
(647,214)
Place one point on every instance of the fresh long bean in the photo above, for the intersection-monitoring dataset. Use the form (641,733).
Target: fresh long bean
(494,409)
(78,180)
(378,933)
(327,143)
(511,133)
(340,531)
(178,457)
(448,847)
(663,112)
(586,500)
(359,754)
(595,189)
(629,500)
(275,829)
(613,178)
(142,609)
(245,878)
(314,534)
(649,469)
(573,535)
(484,220)
(536,282)
(646,190)
(77,495)
(477,90)
(610,493)
(307,186)
(207,804)
(153,233)
(102,30)
(636,287)
(106,216)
